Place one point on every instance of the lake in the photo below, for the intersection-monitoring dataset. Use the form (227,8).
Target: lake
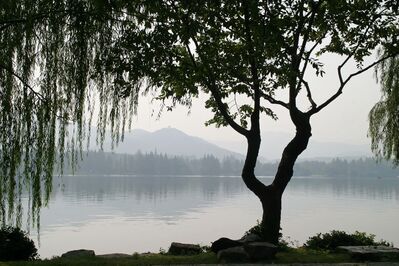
(127,214)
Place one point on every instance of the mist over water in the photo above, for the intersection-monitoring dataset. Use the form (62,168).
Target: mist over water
(145,213)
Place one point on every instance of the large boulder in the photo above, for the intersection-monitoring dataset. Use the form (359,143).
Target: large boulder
(78,253)
(233,254)
(249,248)
(260,250)
(224,243)
(184,249)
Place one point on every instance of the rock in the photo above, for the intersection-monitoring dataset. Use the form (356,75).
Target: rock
(224,243)
(184,249)
(250,238)
(233,254)
(371,252)
(78,253)
(260,250)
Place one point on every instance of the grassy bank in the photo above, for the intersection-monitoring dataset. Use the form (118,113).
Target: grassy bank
(292,256)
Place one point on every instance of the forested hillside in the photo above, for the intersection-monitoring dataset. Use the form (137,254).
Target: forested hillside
(161,164)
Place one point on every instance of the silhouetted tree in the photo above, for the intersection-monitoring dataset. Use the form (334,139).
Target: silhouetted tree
(238,53)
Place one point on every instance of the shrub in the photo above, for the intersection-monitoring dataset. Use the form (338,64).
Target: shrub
(16,245)
(257,229)
(283,244)
(335,238)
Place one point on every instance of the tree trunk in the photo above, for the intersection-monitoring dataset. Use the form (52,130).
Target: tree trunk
(271,205)
(270,196)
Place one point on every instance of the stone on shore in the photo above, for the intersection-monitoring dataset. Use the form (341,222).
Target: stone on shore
(250,238)
(114,255)
(224,243)
(78,253)
(184,249)
(371,252)
(233,254)
(260,250)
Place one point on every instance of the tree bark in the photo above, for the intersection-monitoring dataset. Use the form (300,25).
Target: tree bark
(270,196)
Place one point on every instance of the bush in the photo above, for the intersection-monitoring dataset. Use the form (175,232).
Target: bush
(283,244)
(256,229)
(16,245)
(335,238)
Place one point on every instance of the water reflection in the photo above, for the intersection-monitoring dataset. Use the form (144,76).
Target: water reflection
(100,188)
(158,188)
(368,188)
(107,213)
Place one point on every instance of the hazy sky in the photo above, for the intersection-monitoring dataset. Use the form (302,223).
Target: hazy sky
(344,120)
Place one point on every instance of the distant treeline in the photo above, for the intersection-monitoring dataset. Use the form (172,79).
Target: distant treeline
(161,164)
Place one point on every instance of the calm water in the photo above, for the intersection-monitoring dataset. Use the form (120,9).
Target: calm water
(138,214)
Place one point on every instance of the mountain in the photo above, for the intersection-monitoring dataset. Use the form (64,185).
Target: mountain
(170,141)
(175,142)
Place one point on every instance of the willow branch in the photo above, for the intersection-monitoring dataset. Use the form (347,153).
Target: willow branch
(37,94)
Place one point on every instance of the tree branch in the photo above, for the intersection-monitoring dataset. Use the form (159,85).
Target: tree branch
(344,82)
(254,69)
(298,31)
(302,52)
(306,60)
(271,100)
(191,55)
(295,59)
(361,40)
(309,93)
(210,82)
(37,94)
(10,22)
(341,79)
(307,32)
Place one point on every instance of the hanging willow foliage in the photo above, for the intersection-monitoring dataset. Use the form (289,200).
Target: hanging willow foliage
(50,52)
(384,116)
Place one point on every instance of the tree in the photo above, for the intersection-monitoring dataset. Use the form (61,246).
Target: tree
(49,54)
(384,117)
(241,54)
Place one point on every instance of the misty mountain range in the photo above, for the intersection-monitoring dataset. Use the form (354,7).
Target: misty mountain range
(169,141)
(172,141)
